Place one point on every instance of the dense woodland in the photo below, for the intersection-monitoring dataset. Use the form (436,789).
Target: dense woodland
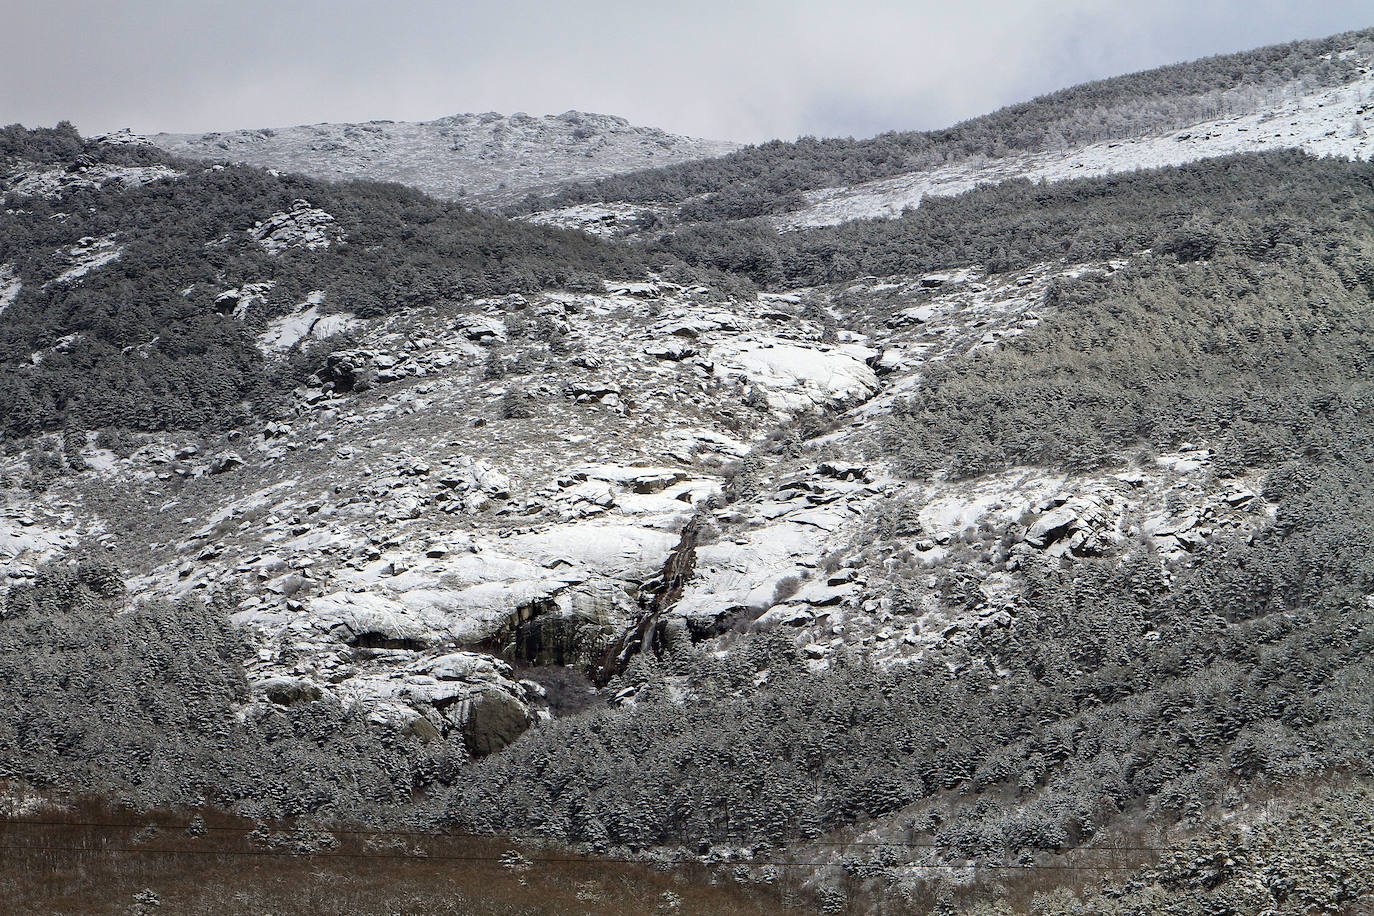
(139,701)
(1280,368)
(770,178)
(1258,199)
(1112,702)
(1118,699)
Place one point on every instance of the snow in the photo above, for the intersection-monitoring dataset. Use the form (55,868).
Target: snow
(63,344)
(363,613)
(10,286)
(29,538)
(461,572)
(303,226)
(626,476)
(604,219)
(685,444)
(795,377)
(34,180)
(240,299)
(475,613)
(486,157)
(1331,122)
(88,254)
(307,322)
(616,549)
(745,573)
(123,137)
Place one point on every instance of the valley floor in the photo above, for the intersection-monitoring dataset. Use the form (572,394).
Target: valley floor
(95,861)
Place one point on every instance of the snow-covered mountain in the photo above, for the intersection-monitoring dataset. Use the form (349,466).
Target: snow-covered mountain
(384,545)
(1314,96)
(1338,121)
(485,157)
(1023,525)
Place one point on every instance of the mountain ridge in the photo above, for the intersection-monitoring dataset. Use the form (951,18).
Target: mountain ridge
(776,178)
(487,157)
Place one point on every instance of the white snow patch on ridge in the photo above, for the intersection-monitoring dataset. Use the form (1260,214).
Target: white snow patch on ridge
(488,156)
(1333,122)
(796,377)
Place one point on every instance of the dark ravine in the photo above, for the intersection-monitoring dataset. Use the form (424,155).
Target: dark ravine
(538,635)
(655,597)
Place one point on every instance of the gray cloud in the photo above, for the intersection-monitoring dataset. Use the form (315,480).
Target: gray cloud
(745,69)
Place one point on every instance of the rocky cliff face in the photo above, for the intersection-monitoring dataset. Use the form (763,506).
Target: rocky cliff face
(486,158)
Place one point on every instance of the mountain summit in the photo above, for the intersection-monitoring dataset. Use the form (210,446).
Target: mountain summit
(489,156)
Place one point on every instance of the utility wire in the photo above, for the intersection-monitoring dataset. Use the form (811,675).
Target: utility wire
(542,860)
(437,835)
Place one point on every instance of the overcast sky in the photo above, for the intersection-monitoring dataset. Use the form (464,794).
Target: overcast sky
(743,70)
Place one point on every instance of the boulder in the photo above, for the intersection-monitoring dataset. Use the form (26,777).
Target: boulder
(478,478)
(224,462)
(671,350)
(466,666)
(491,481)
(482,329)
(370,621)
(493,719)
(843,470)
(1081,526)
(1051,526)
(307,322)
(288,691)
(793,377)
(469,693)
(1238,496)
(583,392)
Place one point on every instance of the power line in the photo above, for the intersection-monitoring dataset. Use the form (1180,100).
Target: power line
(545,860)
(437,835)
(546,837)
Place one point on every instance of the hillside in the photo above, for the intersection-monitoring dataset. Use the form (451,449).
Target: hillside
(138,295)
(478,158)
(1324,122)
(1310,94)
(1010,555)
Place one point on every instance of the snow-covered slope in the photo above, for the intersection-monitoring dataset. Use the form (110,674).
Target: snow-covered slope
(1332,122)
(381,540)
(488,156)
